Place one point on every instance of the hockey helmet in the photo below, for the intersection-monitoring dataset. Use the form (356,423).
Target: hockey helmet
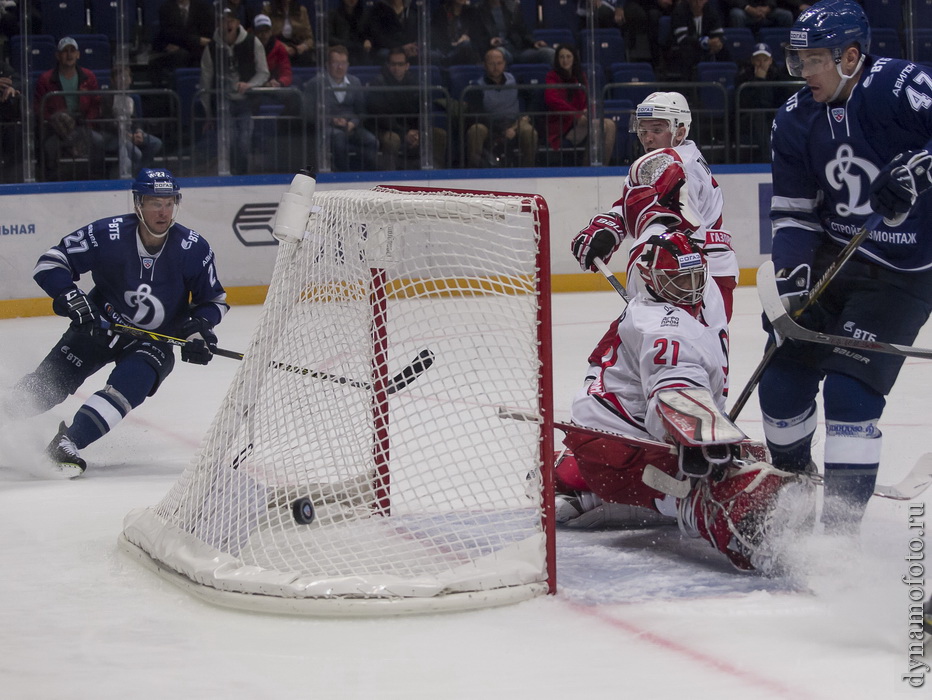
(673,268)
(830,24)
(152,182)
(668,106)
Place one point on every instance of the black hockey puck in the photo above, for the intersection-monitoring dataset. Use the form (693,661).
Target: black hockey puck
(303,511)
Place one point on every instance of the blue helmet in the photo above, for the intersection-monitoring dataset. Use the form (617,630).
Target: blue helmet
(831,24)
(155,183)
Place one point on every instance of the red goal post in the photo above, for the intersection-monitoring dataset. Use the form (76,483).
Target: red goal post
(359,464)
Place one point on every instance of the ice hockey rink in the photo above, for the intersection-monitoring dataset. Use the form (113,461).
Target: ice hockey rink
(639,613)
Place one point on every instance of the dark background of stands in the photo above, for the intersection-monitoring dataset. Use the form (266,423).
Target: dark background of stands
(114,32)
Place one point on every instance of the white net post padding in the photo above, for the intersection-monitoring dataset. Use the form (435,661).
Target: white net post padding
(371,392)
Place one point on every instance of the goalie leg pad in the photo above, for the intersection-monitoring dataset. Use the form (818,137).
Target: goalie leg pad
(613,470)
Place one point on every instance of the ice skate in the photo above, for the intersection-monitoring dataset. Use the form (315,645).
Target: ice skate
(748,514)
(66,460)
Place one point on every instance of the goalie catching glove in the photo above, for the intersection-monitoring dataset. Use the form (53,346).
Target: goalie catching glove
(76,305)
(899,183)
(600,239)
(201,341)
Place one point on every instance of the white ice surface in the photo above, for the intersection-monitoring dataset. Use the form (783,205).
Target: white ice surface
(640,614)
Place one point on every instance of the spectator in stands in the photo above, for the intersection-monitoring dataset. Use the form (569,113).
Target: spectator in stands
(238,8)
(247,68)
(568,127)
(276,55)
(140,147)
(185,28)
(453,25)
(498,26)
(795,7)
(495,118)
(697,36)
(10,125)
(760,72)
(629,16)
(656,10)
(755,14)
(346,25)
(67,120)
(398,112)
(392,24)
(292,26)
(344,105)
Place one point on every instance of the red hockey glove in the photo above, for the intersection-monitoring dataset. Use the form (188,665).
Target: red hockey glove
(600,239)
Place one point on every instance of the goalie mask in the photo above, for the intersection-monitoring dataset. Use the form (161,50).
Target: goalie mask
(673,269)
(656,192)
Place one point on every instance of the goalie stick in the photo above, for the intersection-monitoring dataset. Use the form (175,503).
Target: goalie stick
(912,485)
(414,369)
(831,271)
(788,328)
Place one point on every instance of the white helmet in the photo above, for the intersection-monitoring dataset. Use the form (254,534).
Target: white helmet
(669,106)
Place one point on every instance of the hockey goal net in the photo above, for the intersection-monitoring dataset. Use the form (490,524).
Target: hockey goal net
(359,463)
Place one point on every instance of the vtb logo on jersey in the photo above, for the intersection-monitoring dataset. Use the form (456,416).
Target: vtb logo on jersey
(851,177)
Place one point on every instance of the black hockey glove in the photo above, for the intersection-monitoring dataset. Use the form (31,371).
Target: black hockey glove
(600,239)
(899,183)
(75,304)
(202,342)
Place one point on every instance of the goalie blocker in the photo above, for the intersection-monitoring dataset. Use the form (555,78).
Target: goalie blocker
(741,505)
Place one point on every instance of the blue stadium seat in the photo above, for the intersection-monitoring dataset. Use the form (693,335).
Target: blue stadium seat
(632,73)
(923,46)
(529,73)
(620,111)
(886,42)
(302,74)
(185,83)
(884,14)
(41,52)
(461,76)
(366,74)
(609,46)
(95,51)
(150,17)
(555,36)
(722,72)
(922,13)
(105,19)
(560,14)
(740,43)
(63,17)
(103,78)
(775,38)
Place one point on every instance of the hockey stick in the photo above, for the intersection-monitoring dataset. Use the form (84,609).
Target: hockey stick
(610,276)
(788,328)
(909,487)
(414,369)
(830,273)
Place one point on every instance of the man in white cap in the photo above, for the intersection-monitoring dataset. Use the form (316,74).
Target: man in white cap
(68,119)
(759,101)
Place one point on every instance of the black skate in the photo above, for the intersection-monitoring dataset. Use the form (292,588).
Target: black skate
(66,461)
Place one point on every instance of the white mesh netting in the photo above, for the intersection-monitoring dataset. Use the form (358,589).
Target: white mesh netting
(390,338)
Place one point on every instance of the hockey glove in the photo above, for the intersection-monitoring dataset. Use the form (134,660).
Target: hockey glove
(76,305)
(600,239)
(899,183)
(202,342)
(794,287)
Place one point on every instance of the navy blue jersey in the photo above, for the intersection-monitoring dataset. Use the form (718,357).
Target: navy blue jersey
(825,157)
(156,292)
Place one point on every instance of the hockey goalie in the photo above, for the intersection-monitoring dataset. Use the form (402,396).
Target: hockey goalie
(648,440)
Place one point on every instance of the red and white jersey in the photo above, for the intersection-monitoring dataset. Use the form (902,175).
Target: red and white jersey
(655,346)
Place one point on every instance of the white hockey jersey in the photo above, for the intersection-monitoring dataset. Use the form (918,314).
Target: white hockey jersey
(657,346)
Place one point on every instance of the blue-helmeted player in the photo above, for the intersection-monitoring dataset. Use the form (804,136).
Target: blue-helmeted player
(148,272)
(852,142)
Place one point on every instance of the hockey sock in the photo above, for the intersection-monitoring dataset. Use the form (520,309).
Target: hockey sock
(130,383)
(790,439)
(787,395)
(852,450)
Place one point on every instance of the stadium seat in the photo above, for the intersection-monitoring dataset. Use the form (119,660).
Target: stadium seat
(560,14)
(105,19)
(555,36)
(41,52)
(740,43)
(632,73)
(620,111)
(884,14)
(62,18)
(95,51)
(302,74)
(186,82)
(922,13)
(461,76)
(775,38)
(923,46)
(886,42)
(609,45)
(721,72)
(366,74)
(530,73)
